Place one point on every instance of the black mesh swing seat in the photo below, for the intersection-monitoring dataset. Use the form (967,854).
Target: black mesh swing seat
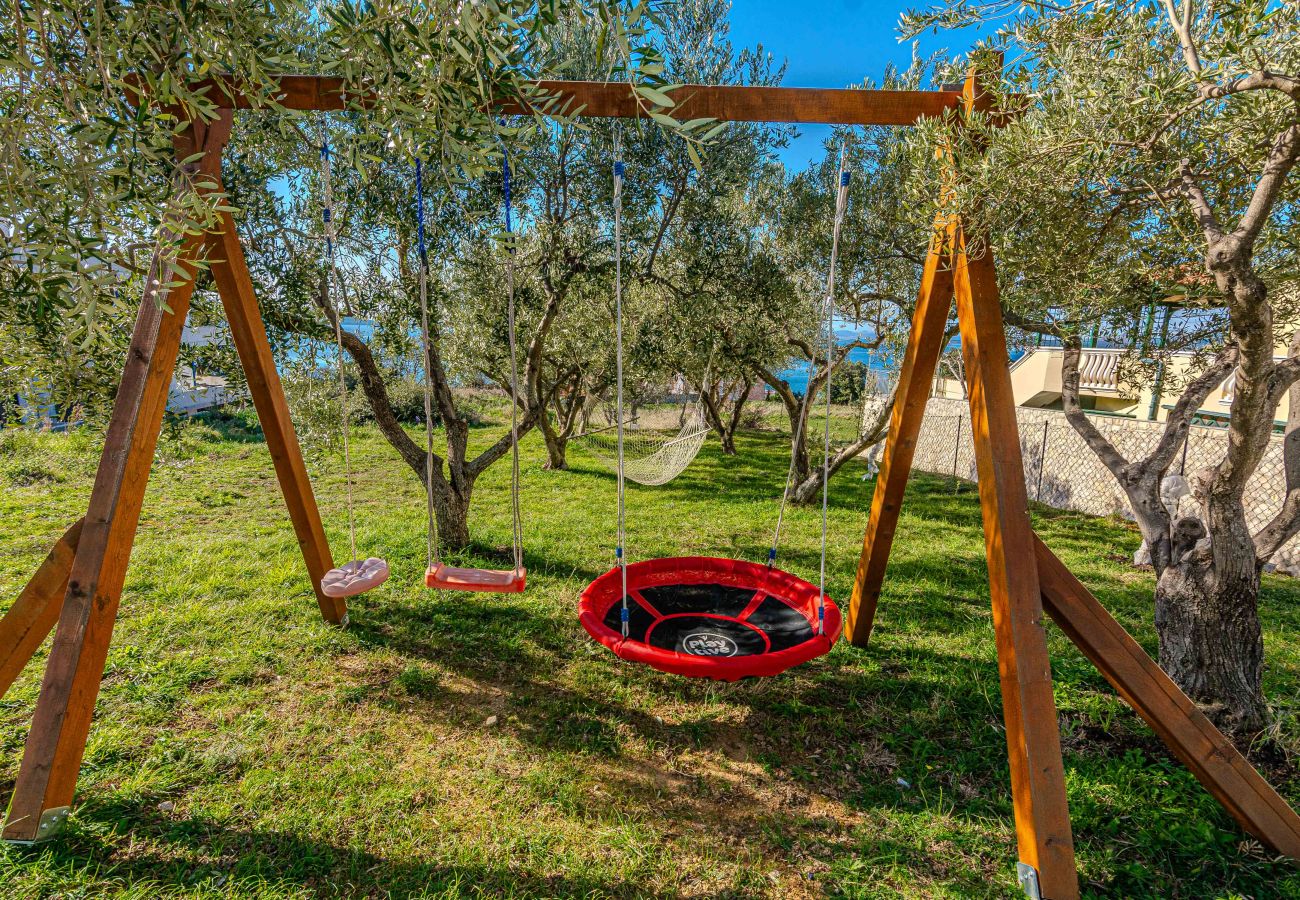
(711,618)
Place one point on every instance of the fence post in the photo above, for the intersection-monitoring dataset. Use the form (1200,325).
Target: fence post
(1042,461)
(956,446)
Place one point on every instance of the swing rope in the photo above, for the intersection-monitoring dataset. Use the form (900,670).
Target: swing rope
(433,548)
(619,556)
(431,528)
(828,313)
(516,519)
(841,206)
(332,278)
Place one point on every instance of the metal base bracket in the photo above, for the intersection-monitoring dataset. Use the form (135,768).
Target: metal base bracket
(1027,875)
(52,822)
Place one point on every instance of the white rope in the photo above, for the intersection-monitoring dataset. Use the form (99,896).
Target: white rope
(828,313)
(431,526)
(517,519)
(331,278)
(620,555)
(841,205)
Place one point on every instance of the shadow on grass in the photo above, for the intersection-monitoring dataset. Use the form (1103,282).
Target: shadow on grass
(196,853)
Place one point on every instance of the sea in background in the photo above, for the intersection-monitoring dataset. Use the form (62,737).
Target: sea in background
(879,361)
(795,372)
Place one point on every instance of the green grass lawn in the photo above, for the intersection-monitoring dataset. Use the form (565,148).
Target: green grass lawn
(242,747)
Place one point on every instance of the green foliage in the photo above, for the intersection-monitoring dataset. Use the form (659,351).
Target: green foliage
(92,97)
(1086,190)
(849,383)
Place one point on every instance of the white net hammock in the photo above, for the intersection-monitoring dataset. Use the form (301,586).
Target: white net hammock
(657,446)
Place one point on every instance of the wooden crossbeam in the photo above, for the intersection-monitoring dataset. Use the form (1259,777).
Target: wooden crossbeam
(594,99)
(33,616)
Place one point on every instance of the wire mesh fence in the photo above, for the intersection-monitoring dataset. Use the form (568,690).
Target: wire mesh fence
(1062,471)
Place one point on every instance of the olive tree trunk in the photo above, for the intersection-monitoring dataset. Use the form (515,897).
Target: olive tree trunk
(714,400)
(1208,565)
(448,477)
(805,481)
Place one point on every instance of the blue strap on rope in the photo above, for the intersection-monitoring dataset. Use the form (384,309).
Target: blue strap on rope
(505,179)
(325,210)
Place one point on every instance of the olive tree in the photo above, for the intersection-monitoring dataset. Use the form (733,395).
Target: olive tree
(881,254)
(92,98)
(1155,139)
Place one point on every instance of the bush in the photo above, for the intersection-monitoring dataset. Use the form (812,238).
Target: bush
(407,398)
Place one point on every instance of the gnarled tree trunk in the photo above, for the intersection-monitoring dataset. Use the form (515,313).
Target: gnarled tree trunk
(1208,621)
(714,398)
(805,480)
(451,478)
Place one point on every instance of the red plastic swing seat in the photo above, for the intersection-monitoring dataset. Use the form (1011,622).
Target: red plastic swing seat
(491,581)
(709,618)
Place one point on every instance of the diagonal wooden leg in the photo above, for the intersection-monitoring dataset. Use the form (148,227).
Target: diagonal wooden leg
(1033,738)
(1210,756)
(57,739)
(249,333)
(32,617)
(924,346)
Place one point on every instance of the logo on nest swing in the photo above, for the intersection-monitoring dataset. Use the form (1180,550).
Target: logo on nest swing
(709,643)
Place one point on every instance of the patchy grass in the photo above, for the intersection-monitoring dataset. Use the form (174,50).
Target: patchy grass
(244,748)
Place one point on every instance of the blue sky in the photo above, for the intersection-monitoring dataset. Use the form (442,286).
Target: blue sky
(833,44)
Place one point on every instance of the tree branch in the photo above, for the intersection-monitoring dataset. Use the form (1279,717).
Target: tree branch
(1277,166)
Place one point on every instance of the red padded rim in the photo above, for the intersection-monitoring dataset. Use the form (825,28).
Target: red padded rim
(606,591)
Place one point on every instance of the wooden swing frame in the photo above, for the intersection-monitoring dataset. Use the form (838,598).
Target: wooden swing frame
(79,585)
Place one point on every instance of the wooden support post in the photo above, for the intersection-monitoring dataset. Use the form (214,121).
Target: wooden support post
(25,627)
(226,258)
(1210,756)
(924,345)
(57,739)
(1028,707)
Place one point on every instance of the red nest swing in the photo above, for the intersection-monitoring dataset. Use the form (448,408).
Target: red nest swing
(709,618)
(698,615)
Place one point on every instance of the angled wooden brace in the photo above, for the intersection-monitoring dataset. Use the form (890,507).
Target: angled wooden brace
(1201,747)
(1045,842)
(33,615)
(230,271)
